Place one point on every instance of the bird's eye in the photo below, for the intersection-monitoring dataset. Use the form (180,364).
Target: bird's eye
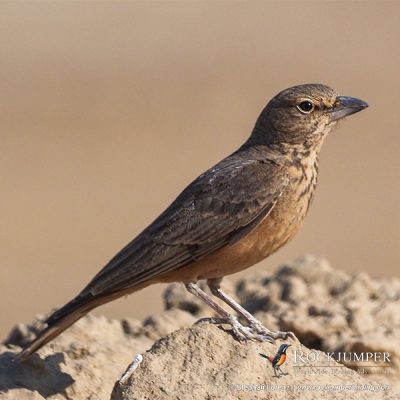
(306,106)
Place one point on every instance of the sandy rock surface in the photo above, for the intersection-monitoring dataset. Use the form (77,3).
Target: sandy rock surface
(217,367)
(329,310)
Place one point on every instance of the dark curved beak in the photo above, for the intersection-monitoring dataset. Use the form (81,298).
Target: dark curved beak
(345,106)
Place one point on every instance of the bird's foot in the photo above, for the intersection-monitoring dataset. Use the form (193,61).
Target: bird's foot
(241,332)
(262,331)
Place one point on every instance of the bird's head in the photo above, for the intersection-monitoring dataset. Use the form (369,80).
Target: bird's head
(303,115)
(283,347)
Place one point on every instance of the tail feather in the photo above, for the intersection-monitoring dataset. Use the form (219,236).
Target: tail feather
(63,318)
(269,358)
(58,322)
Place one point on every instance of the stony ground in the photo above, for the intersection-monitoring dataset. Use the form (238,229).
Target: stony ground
(329,310)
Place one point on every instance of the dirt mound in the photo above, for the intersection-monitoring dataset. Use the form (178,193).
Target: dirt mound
(203,362)
(330,312)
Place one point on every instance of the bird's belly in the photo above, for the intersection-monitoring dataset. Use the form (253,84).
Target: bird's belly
(281,360)
(272,233)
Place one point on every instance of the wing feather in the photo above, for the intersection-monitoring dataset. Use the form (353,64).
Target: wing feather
(219,208)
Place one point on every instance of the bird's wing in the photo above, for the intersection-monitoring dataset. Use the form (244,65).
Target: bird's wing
(276,359)
(217,209)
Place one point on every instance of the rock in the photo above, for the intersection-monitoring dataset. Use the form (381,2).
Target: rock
(329,311)
(169,321)
(18,394)
(82,363)
(186,365)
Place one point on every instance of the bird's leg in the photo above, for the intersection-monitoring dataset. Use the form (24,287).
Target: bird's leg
(254,324)
(240,331)
(283,373)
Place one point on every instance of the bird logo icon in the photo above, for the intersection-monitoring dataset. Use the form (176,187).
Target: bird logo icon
(278,359)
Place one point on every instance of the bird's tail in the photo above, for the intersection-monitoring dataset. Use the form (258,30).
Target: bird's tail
(269,358)
(61,320)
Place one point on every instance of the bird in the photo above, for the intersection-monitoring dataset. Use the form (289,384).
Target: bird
(232,216)
(278,359)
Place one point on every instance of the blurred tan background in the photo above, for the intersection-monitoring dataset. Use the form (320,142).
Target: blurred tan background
(108,109)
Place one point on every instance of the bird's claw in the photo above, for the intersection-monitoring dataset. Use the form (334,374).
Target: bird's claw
(263,331)
(239,331)
(211,320)
(243,333)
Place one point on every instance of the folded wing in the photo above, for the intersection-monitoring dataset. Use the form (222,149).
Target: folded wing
(219,208)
